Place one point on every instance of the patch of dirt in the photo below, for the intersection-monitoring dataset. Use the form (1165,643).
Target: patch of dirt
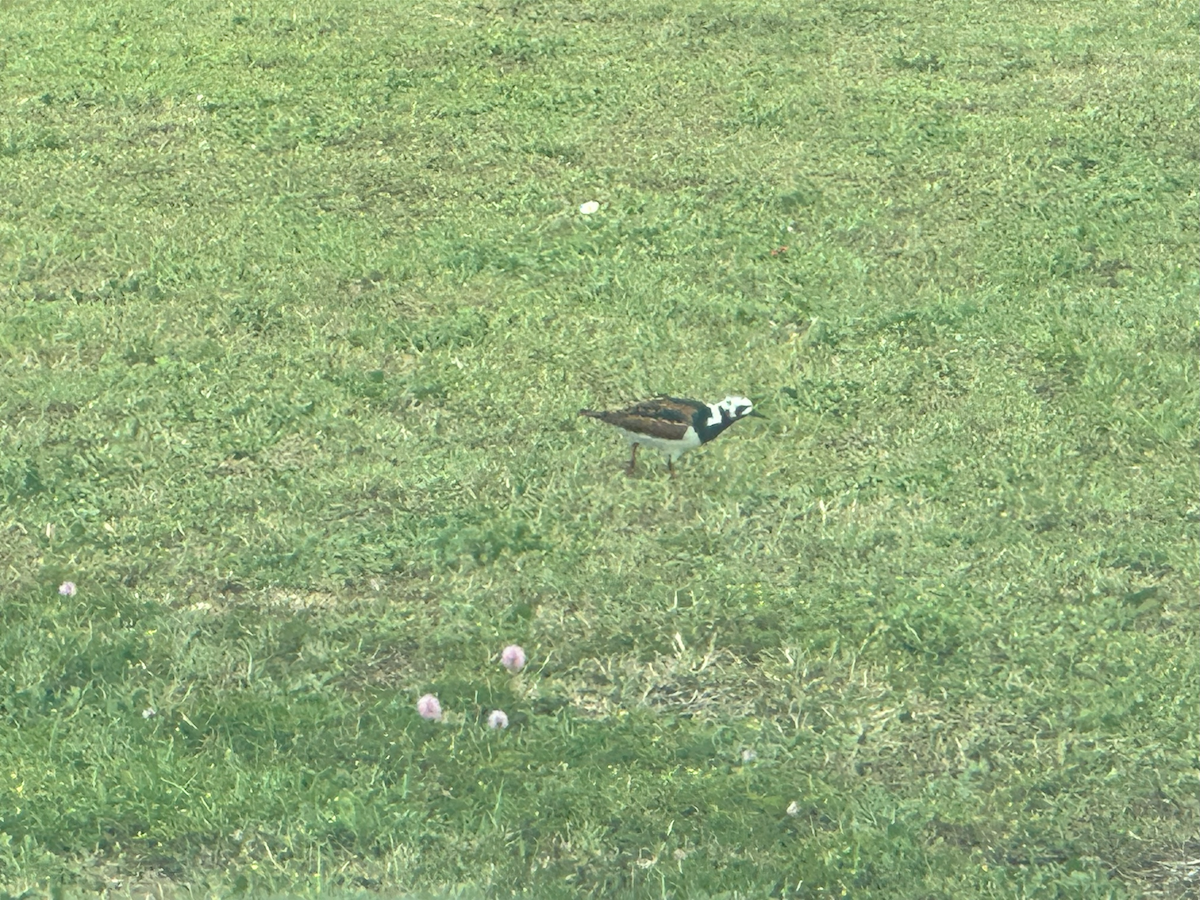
(1173,873)
(714,685)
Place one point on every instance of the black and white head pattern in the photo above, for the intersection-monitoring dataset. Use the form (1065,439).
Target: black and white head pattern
(723,414)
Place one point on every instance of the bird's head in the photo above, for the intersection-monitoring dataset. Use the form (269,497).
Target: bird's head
(731,409)
(722,415)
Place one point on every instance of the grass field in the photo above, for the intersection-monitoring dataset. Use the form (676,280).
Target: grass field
(298,308)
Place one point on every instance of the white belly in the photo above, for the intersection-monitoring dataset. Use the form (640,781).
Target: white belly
(673,449)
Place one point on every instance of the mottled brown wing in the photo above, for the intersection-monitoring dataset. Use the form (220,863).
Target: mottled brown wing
(669,409)
(662,417)
(651,426)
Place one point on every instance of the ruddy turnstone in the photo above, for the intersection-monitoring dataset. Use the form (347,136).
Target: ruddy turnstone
(673,425)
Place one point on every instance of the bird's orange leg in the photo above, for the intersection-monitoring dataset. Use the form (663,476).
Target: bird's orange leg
(632,459)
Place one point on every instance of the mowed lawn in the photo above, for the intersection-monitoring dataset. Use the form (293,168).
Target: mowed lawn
(297,311)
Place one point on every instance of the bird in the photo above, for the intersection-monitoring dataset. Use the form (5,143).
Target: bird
(672,425)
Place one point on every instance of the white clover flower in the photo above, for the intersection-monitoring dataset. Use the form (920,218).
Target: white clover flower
(429,708)
(512,658)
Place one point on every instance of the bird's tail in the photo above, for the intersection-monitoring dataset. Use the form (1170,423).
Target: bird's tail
(591,413)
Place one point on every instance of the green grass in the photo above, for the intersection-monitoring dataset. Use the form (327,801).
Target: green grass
(297,312)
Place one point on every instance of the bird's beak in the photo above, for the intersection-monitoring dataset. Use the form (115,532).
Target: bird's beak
(755,414)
